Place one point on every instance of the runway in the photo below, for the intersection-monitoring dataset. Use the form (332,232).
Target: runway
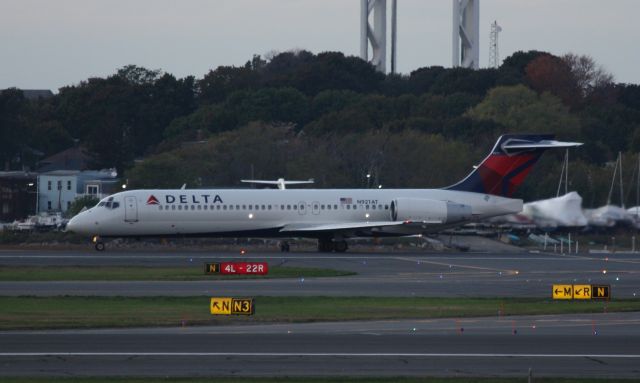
(595,345)
(378,274)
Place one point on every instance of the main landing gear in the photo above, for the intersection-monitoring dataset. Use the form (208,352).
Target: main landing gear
(284,246)
(328,245)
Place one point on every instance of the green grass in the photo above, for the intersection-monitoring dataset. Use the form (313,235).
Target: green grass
(89,312)
(307,380)
(136,273)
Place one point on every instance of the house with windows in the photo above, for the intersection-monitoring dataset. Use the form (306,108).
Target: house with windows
(58,189)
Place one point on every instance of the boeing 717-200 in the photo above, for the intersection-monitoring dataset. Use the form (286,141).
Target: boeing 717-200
(329,215)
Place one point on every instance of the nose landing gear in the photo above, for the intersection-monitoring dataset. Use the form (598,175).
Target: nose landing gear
(98,244)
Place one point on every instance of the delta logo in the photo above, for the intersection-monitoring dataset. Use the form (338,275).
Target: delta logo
(152,200)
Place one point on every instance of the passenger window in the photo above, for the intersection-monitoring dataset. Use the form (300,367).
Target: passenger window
(250,207)
(281,207)
(386,207)
(230,207)
(348,207)
(115,205)
(205,207)
(269,207)
(288,207)
(224,207)
(159,207)
(328,207)
(373,207)
(355,207)
(321,207)
(179,207)
(199,207)
(244,207)
(295,207)
(380,207)
(173,207)
(367,207)
(237,207)
(335,207)
(193,207)
(217,207)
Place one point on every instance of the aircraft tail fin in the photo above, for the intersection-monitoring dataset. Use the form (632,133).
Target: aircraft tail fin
(508,164)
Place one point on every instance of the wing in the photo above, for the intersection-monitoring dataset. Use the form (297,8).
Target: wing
(360,228)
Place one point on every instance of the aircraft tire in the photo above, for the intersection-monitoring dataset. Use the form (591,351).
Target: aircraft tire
(325,246)
(99,246)
(340,246)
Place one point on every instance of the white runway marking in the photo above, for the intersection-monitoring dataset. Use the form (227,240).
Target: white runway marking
(317,354)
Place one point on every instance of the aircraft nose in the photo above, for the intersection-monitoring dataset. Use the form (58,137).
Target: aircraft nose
(76,225)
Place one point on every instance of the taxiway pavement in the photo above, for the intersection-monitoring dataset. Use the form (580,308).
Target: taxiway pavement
(378,274)
(594,345)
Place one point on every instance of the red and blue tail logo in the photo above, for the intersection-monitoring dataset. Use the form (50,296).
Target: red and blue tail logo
(508,164)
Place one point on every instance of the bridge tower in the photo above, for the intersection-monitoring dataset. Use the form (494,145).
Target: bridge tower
(374,34)
(466,33)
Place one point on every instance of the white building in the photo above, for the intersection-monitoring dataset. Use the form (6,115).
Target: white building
(59,188)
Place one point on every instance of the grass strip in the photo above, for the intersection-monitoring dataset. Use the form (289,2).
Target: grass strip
(91,312)
(309,380)
(137,273)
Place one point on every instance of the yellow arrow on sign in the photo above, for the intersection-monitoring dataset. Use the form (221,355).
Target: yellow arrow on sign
(582,291)
(220,306)
(562,291)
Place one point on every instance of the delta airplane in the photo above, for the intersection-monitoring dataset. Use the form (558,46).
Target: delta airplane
(328,215)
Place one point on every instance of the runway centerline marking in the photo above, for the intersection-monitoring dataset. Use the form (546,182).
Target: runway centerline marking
(461,266)
(320,354)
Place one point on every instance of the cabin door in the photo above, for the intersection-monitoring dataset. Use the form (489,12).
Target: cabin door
(130,209)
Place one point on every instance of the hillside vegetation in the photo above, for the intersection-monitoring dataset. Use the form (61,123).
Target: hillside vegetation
(335,119)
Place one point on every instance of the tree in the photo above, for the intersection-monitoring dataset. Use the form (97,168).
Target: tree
(519,109)
(587,75)
(80,203)
(548,73)
(12,126)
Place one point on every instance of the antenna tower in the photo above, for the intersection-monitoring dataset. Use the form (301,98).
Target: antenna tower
(494,56)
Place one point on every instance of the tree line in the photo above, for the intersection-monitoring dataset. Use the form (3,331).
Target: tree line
(333,118)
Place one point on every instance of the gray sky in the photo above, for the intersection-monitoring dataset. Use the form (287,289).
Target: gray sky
(49,44)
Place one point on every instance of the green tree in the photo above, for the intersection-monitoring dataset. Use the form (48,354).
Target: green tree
(80,203)
(12,126)
(521,110)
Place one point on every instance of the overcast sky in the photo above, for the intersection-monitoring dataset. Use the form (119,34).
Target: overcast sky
(49,44)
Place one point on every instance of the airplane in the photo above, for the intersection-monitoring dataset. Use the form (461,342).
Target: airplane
(328,215)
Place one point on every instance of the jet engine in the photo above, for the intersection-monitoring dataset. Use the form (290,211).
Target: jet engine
(429,210)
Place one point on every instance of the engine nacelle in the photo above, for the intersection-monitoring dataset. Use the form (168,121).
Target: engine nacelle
(420,209)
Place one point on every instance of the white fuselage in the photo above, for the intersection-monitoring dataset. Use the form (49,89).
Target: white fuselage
(256,212)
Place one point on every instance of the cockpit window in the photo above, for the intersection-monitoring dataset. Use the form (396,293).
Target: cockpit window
(109,203)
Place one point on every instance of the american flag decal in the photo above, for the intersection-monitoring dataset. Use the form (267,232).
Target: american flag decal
(346,200)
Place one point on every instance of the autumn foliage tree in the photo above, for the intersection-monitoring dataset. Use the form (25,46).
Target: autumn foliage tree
(547,73)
